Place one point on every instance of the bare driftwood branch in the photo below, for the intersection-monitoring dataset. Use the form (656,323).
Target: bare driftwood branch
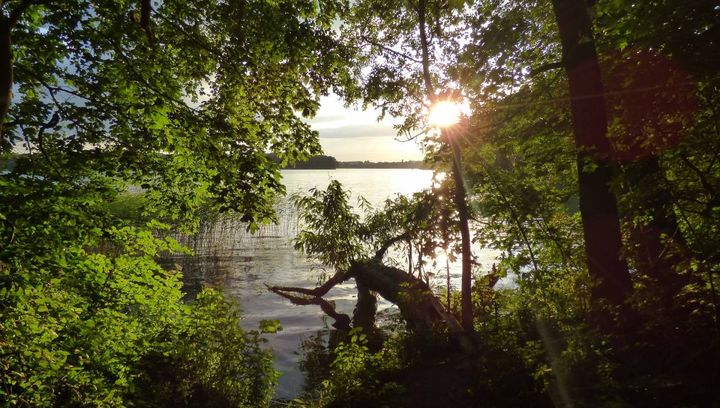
(342,321)
(321,290)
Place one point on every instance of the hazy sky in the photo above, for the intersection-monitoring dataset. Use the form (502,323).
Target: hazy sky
(351,134)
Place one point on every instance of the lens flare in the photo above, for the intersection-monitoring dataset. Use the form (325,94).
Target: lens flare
(444,114)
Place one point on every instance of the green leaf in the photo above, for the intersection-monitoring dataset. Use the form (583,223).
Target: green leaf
(270,326)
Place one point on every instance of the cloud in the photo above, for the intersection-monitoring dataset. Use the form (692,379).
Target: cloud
(360,130)
(370,148)
(353,134)
(321,119)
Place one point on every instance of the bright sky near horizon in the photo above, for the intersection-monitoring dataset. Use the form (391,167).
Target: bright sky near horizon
(353,134)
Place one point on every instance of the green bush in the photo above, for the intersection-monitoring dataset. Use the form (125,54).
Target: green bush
(81,325)
(210,362)
(357,377)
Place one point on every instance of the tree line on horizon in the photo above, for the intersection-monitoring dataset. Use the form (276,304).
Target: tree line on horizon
(330,162)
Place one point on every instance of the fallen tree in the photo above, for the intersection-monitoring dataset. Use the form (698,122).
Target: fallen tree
(334,235)
(420,308)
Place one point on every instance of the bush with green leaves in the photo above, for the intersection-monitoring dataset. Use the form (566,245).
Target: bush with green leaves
(207,361)
(356,376)
(86,309)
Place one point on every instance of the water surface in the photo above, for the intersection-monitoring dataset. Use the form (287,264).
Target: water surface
(242,264)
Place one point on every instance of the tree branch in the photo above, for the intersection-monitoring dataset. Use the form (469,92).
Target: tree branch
(702,176)
(321,290)
(342,321)
(546,67)
(410,138)
(390,50)
(41,145)
(381,252)
(141,80)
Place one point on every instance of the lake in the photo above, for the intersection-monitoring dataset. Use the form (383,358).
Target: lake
(241,264)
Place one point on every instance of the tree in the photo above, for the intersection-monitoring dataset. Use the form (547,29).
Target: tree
(459,195)
(646,78)
(180,99)
(656,83)
(404,84)
(659,82)
(598,206)
(336,236)
(186,107)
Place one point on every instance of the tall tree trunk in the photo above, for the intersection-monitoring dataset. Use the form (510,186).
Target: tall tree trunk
(463,215)
(6,69)
(598,206)
(460,197)
(6,55)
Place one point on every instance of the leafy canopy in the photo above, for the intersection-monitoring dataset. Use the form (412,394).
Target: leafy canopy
(188,111)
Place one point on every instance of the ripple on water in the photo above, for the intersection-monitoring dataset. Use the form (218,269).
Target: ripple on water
(241,264)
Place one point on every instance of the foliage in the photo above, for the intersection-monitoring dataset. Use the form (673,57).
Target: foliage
(389,58)
(188,112)
(209,361)
(336,234)
(315,360)
(317,162)
(184,101)
(357,377)
(661,91)
(355,373)
(523,169)
(190,101)
(425,218)
(129,206)
(332,233)
(84,304)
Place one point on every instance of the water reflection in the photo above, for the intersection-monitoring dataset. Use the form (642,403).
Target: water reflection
(240,263)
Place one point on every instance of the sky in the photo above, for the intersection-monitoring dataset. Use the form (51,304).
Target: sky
(352,134)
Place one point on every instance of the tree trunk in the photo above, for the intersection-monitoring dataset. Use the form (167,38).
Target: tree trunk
(422,311)
(418,305)
(365,308)
(598,206)
(463,217)
(459,197)
(6,69)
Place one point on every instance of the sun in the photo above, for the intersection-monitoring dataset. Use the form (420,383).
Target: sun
(444,114)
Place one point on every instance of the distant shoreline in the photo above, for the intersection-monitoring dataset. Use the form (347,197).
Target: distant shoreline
(412,164)
(330,163)
(367,165)
(314,163)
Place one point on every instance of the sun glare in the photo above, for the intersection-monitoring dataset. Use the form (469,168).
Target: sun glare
(444,114)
